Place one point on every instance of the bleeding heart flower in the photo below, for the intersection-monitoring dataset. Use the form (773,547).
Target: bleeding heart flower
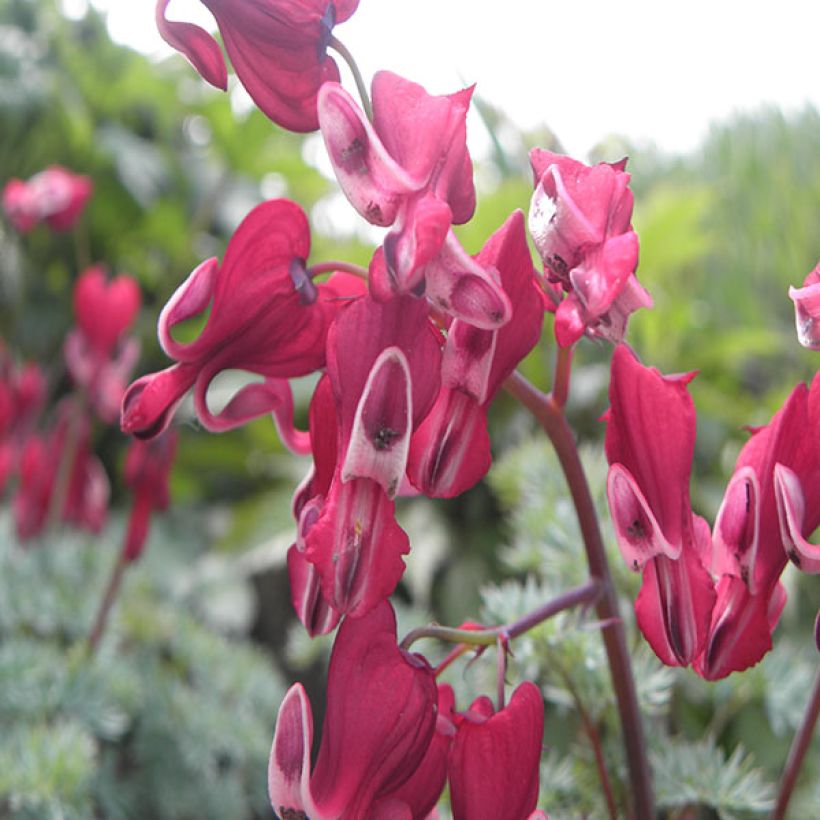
(580,222)
(278,49)
(378,725)
(55,196)
(411,170)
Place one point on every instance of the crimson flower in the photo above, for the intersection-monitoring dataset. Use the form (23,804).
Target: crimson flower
(450,451)
(265,317)
(807,310)
(98,355)
(383,365)
(411,170)
(771,504)
(495,757)
(278,49)
(379,721)
(580,223)
(650,440)
(55,196)
(86,497)
(147,468)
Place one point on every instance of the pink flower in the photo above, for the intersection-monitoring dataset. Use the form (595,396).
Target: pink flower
(265,317)
(450,451)
(495,757)
(86,496)
(99,356)
(411,170)
(807,310)
(383,364)
(378,725)
(580,222)
(278,49)
(147,468)
(650,439)
(55,196)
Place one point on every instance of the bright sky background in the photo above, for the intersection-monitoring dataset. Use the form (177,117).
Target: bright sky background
(649,69)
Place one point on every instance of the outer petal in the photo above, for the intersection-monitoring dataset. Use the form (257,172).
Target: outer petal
(105,309)
(791,510)
(737,528)
(149,403)
(494,762)
(374,182)
(196,44)
(316,615)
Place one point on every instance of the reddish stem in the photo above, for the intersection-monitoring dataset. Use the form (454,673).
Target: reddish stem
(111,592)
(800,746)
(563,368)
(550,416)
(335,265)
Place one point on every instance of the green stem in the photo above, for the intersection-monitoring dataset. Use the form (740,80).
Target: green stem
(550,416)
(797,753)
(342,50)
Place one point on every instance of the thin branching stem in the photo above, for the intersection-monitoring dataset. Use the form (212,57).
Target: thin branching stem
(550,416)
(335,265)
(345,54)
(797,753)
(111,592)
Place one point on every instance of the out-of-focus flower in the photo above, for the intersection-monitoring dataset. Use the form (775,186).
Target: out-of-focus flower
(55,196)
(99,355)
(650,439)
(807,310)
(411,170)
(278,49)
(378,725)
(259,322)
(495,758)
(580,222)
(86,491)
(147,469)
(450,451)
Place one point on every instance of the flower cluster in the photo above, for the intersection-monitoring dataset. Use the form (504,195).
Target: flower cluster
(54,196)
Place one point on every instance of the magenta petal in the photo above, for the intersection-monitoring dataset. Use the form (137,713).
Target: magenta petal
(289,764)
(196,44)
(149,403)
(807,310)
(316,615)
(674,607)
(737,528)
(380,717)
(740,633)
(462,287)
(791,510)
(637,530)
(357,546)
(494,763)
(467,359)
(371,179)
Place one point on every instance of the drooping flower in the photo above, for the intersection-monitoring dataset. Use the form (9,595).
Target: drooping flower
(771,504)
(378,725)
(259,321)
(55,196)
(495,758)
(278,49)
(383,365)
(450,451)
(147,469)
(580,221)
(86,491)
(807,310)
(650,439)
(98,353)
(411,170)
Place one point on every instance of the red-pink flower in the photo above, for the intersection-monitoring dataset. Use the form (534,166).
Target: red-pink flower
(495,758)
(807,310)
(55,196)
(147,469)
(98,353)
(378,725)
(87,489)
(411,170)
(266,317)
(278,49)
(450,451)
(650,439)
(383,363)
(580,221)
